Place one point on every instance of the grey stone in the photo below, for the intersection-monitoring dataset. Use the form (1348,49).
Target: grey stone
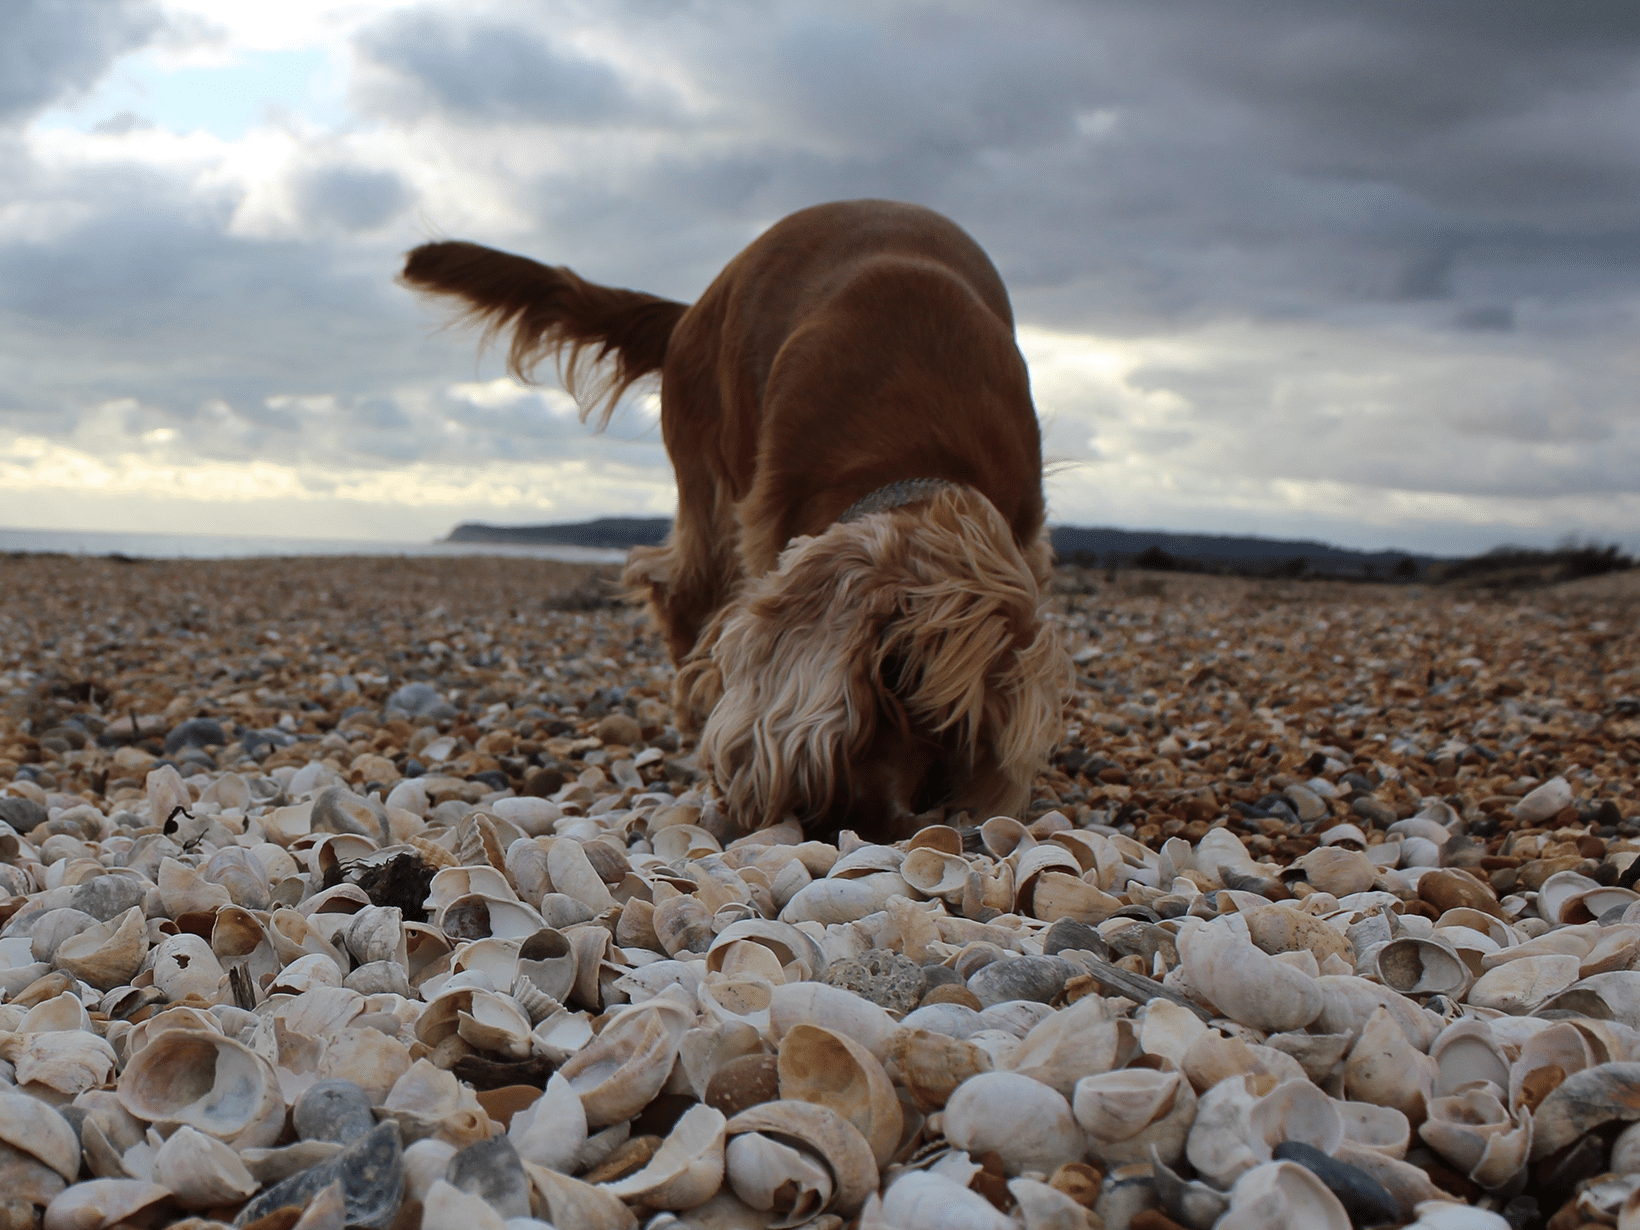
(22,814)
(420,700)
(200,732)
(885,978)
(1309,805)
(1039,979)
(332,1110)
(372,1173)
(1068,933)
(1374,811)
(1365,1199)
(105,896)
(936,975)
(492,1171)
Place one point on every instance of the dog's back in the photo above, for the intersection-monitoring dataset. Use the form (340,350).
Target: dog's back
(851,346)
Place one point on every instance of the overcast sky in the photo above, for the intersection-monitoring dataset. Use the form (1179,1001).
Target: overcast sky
(1367,273)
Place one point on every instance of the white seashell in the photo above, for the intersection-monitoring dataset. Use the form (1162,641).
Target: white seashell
(821,1131)
(1077,1041)
(1584,1101)
(831,1069)
(201,1171)
(574,1205)
(1383,1068)
(1414,966)
(560,1035)
(1338,871)
(1474,1132)
(1294,1110)
(108,954)
(777,1178)
(1282,1196)
(69,1062)
(1521,985)
(1128,1113)
(930,1067)
(208,1082)
(1218,1145)
(1046,1208)
(1554,1053)
(815,1003)
(184,890)
(623,1068)
(1244,983)
(476,916)
(100,1203)
(935,873)
(1029,1124)
(686,1170)
(1168,1030)
(425,1162)
(918,1200)
(551,1130)
(843,900)
(306,974)
(495,1024)
(184,965)
(449,1208)
(1380,1129)
(1465,1053)
(796,954)
(1351,1001)
(573,874)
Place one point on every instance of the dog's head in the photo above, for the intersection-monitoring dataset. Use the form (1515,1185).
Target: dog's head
(892,664)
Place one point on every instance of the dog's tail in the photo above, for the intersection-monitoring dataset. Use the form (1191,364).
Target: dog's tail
(603,339)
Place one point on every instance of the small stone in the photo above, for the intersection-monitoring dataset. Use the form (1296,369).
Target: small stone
(22,814)
(372,1173)
(332,1110)
(1309,805)
(492,1170)
(541,783)
(1450,888)
(1522,1213)
(1067,933)
(1038,979)
(1553,796)
(952,993)
(196,732)
(1365,1199)
(885,978)
(420,700)
(937,975)
(749,1080)
(619,728)
(1373,811)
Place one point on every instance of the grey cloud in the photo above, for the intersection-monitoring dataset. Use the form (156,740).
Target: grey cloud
(353,198)
(53,50)
(483,69)
(1487,318)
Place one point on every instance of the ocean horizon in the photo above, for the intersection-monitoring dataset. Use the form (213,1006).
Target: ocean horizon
(244,546)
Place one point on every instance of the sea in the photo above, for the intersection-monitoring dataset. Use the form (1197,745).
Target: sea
(237,546)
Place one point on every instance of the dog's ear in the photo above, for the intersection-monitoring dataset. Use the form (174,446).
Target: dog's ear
(796,660)
(974,659)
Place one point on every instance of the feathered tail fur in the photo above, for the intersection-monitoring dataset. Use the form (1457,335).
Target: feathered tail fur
(603,339)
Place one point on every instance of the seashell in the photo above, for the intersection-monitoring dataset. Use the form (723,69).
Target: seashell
(108,954)
(686,1170)
(69,1061)
(447,1207)
(337,809)
(1338,871)
(371,1172)
(184,890)
(208,1082)
(201,1171)
(293,938)
(184,965)
(100,1203)
(1188,1202)
(797,955)
(623,1068)
(377,934)
(787,1181)
(33,1129)
(1043,1207)
(918,1200)
(683,925)
(1420,967)
(476,916)
(1349,1003)
(1244,983)
(491,1171)
(238,871)
(1218,1145)
(1523,984)
(1584,1101)
(495,1024)
(1465,1053)
(1546,1059)
(842,900)
(1474,1132)
(815,1003)
(573,1205)
(1282,1196)
(1028,1124)
(306,974)
(1294,1110)
(425,1162)
(379,978)
(1318,1054)
(1058,894)
(930,1067)
(1129,1113)
(547,960)
(813,1129)
(1384,1068)
(1380,1129)
(572,874)
(551,1130)
(833,1070)
(935,872)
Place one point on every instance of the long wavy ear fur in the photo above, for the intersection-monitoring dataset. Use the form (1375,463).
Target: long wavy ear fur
(926,615)
(603,339)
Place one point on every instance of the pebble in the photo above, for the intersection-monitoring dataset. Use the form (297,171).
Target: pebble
(1365,1199)
(293,822)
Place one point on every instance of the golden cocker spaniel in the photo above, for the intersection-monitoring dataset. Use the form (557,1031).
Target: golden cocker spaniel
(851,589)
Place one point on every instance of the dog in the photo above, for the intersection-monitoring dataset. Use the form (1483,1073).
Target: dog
(852,588)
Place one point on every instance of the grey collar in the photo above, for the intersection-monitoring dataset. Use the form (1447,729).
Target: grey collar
(895,495)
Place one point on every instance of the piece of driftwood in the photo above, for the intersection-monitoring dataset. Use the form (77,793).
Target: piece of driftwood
(1136,987)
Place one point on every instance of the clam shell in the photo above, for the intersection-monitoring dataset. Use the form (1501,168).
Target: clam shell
(1474,1132)
(930,1067)
(550,1131)
(1282,1196)
(918,1200)
(1244,983)
(100,1203)
(201,1171)
(623,1068)
(815,1003)
(1420,967)
(108,954)
(1385,1069)
(573,1205)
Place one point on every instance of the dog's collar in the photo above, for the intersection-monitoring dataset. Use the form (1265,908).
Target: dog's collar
(895,495)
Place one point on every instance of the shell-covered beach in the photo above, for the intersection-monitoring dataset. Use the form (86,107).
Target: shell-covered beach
(383,892)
